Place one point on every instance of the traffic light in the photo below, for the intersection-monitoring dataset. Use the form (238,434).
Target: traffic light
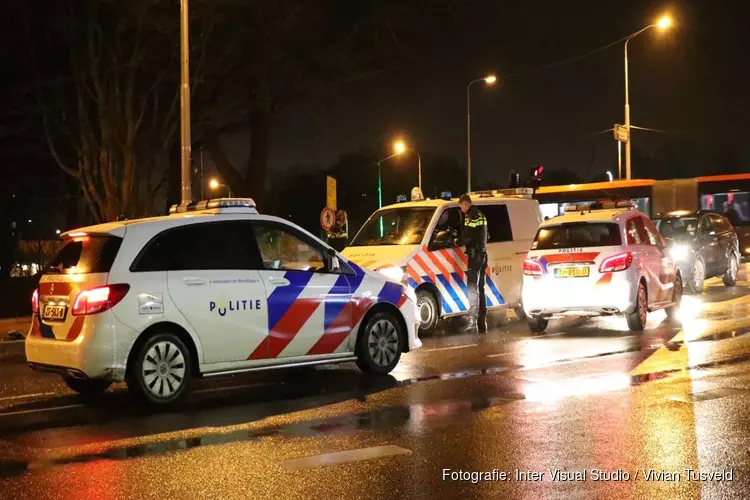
(515,180)
(535,176)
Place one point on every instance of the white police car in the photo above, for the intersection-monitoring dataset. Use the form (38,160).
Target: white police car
(213,289)
(610,261)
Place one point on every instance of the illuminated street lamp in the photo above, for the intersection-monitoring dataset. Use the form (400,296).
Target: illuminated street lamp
(400,147)
(664,23)
(214,184)
(489,80)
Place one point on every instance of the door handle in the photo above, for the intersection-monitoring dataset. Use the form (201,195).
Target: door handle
(279,281)
(193,281)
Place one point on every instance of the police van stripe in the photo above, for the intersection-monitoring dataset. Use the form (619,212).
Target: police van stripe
(495,292)
(446,283)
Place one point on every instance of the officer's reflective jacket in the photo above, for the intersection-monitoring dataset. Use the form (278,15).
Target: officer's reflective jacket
(475,230)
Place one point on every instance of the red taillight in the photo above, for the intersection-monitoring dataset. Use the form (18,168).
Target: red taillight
(532,268)
(35,301)
(99,299)
(618,262)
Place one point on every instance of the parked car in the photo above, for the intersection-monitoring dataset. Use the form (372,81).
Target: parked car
(704,244)
(599,262)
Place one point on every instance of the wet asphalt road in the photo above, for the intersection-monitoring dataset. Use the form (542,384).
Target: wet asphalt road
(585,396)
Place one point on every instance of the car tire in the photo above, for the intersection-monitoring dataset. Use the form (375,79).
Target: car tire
(160,374)
(86,387)
(637,319)
(730,277)
(674,310)
(537,324)
(697,276)
(379,344)
(428,311)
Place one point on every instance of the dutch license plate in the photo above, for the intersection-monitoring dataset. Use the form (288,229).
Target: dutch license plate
(54,313)
(572,272)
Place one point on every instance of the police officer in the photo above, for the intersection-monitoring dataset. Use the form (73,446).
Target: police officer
(474,238)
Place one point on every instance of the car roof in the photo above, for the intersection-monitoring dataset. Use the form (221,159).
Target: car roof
(479,201)
(606,215)
(117,228)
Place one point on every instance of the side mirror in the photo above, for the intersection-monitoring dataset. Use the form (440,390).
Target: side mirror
(332,260)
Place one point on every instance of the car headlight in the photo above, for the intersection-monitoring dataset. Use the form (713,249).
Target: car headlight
(679,252)
(394,274)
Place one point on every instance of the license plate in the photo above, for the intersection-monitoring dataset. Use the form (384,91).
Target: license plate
(572,272)
(54,313)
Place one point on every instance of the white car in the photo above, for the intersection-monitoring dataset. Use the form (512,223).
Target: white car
(213,289)
(595,262)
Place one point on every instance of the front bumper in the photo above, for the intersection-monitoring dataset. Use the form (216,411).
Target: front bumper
(411,317)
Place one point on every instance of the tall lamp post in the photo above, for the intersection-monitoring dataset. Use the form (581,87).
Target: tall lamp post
(663,23)
(186,190)
(214,184)
(400,147)
(489,79)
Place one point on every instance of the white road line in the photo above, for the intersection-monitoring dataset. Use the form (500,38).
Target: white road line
(342,457)
(500,354)
(448,348)
(37,410)
(25,396)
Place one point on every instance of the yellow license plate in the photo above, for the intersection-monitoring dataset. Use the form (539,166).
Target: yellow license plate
(54,313)
(572,272)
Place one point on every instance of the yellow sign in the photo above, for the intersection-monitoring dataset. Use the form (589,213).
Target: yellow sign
(330,193)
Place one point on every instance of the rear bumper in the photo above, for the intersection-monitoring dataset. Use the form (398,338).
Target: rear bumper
(99,352)
(544,297)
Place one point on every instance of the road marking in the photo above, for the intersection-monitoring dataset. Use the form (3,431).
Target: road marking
(37,410)
(25,396)
(449,348)
(342,457)
(501,354)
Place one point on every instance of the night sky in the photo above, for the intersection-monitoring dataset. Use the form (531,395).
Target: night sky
(690,81)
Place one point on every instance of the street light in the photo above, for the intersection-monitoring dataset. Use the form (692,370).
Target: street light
(400,147)
(215,184)
(664,23)
(489,80)
(185,103)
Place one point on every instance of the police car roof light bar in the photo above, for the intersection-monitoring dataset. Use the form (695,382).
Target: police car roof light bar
(195,206)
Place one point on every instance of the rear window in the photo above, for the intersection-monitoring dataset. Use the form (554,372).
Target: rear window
(86,254)
(577,234)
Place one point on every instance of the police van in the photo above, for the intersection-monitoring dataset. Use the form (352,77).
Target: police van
(413,242)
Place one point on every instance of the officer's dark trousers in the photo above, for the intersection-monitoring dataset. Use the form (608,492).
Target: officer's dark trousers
(475,276)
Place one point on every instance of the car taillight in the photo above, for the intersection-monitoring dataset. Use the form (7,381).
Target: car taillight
(35,301)
(99,299)
(618,262)
(532,268)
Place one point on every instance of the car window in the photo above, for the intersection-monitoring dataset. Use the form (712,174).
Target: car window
(284,248)
(498,223)
(634,237)
(654,237)
(643,236)
(577,234)
(204,246)
(86,254)
(448,226)
(395,226)
(706,226)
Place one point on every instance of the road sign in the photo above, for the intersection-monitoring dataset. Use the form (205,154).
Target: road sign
(330,193)
(327,218)
(621,133)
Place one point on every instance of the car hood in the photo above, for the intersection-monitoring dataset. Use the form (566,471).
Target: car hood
(379,257)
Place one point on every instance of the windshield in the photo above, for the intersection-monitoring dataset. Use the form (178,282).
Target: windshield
(577,234)
(677,227)
(395,226)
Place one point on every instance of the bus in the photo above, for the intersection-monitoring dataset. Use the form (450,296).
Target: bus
(729,194)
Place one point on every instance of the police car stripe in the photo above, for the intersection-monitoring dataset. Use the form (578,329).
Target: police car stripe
(447,285)
(336,300)
(283,297)
(290,324)
(495,291)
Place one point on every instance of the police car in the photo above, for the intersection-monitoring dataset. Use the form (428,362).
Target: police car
(599,260)
(414,242)
(212,289)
